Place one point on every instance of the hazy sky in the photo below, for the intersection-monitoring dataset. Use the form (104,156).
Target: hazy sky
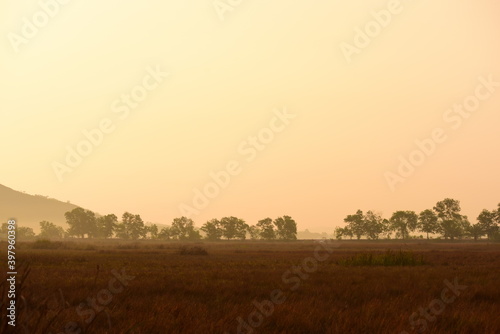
(356,111)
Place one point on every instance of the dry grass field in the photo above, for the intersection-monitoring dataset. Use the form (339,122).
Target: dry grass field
(257,287)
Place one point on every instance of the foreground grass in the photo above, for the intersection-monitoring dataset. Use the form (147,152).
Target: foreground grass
(174,291)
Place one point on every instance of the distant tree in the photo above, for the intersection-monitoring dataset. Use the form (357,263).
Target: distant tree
(234,228)
(152,231)
(373,225)
(105,226)
(341,232)
(428,222)
(404,222)
(131,227)
(475,231)
(266,229)
(497,222)
(338,233)
(50,230)
(212,229)
(451,222)
(487,222)
(121,231)
(450,229)
(387,228)
(356,224)
(254,232)
(81,222)
(286,228)
(21,231)
(26,232)
(164,233)
(465,226)
(183,229)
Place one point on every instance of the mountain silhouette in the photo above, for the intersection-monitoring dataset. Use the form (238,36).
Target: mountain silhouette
(30,210)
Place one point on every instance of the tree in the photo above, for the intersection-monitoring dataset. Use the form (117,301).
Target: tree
(286,228)
(476,231)
(487,222)
(404,222)
(164,233)
(450,221)
(131,227)
(428,222)
(26,232)
(373,225)
(496,230)
(183,229)
(356,223)
(21,231)
(387,228)
(81,222)
(50,230)
(105,226)
(343,231)
(254,232)
(212,229)
(234,228)
(450,229)
(266,228)
(121,231)
(152,230)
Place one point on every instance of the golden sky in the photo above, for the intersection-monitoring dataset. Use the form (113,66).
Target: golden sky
(232,67)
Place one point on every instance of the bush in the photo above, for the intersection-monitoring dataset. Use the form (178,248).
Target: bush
(47,244)
(196,250)
(389,258)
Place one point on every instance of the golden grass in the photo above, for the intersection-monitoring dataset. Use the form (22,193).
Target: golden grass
(172,293)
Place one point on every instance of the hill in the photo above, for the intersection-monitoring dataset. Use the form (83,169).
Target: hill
(30,210)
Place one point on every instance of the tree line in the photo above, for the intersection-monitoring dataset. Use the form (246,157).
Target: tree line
(86,224)
(444,218)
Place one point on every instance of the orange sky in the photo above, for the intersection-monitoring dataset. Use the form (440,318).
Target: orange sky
(92,65)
